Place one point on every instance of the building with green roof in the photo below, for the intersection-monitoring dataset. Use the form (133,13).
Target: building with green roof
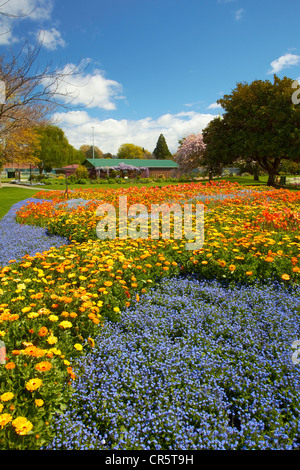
(100,167)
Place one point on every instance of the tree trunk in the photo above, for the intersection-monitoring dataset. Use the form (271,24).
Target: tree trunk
(256,173)
(271,179)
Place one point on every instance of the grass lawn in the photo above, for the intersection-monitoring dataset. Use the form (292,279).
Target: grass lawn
(9,196)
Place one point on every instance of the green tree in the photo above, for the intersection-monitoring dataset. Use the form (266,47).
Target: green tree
(217,153)
(260,124)
(127,151)
(161,151)
(88,151)
(54,149)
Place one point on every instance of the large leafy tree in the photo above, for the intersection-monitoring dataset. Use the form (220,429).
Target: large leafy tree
(54,149)
(127,151)
(89,151)
(161,151)
(260,124)
(189,153)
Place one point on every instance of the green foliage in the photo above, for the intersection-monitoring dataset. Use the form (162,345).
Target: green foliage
(55,150)
(127,151)
(260,124)
(88,151)
(81,172)
(161,151)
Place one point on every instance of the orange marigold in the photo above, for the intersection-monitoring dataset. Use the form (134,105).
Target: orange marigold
(43,366)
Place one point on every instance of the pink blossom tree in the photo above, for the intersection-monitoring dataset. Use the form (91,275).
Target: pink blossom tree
(189,153)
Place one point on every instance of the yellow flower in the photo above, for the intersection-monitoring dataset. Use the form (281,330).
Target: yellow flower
(285,277)
(26,309)
(78,347)
(39,402)
(116,309)
(21,286)
(6,396)
(52,339)
(33,315)
(65,324)
(33,384)
(55,351)
(4,419)
(108,283)
(53,318)
(22,425)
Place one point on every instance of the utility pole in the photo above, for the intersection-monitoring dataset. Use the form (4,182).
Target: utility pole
(93,144)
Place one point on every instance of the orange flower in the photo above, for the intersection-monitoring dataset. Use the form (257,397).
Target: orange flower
(10,365)
(34,351)
(285,277)
(232,267)
(43,366)
(43,331)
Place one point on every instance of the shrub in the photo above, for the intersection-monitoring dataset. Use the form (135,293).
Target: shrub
(82,173)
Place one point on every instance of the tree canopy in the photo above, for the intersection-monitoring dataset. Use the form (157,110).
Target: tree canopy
(87,151)
(190,152)
(161,151)
(54,150)
(127,151)
(260,124)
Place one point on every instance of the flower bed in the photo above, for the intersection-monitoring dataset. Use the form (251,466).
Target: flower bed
(193,365)
(55,303)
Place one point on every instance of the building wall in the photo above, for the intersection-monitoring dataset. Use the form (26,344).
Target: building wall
(153,173)
(157,172)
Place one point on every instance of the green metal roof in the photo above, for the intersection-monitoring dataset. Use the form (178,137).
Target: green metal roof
(109,162)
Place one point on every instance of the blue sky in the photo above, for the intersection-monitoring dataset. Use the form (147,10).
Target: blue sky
(154,66)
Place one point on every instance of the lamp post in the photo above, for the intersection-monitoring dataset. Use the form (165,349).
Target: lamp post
(93,144)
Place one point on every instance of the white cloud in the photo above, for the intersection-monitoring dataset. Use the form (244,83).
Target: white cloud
(214,106)
(6,34)
(92,90)
(238,14)
(14,10)
(34,9)
(109,134)
(51,39)
(284,61)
